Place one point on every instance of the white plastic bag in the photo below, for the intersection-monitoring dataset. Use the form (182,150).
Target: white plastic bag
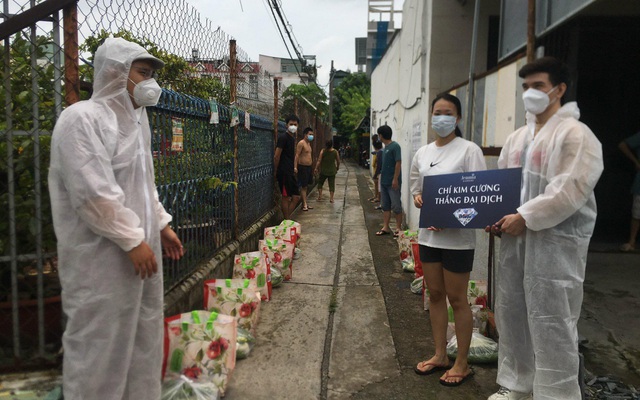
(184,388)
(482,349)
(244,343)
(416,286)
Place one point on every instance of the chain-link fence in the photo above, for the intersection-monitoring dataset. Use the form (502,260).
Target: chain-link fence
(213,185)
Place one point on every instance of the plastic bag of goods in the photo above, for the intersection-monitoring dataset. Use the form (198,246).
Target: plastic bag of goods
(416,286)
(254,265)
(200,345)
(245,342)
(183,388)
(276,277)
(482,350)
(238,298)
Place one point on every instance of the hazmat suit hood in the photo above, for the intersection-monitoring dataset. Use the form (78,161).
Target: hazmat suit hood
(104,203)
(112,63)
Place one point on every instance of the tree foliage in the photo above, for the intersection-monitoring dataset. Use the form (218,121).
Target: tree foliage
(314,94)
(352,99)
(29,158)
(177,73)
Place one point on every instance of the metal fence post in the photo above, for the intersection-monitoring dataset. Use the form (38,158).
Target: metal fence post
(233,96)
(275,114)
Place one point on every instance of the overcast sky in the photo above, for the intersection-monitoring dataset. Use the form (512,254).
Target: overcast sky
(325,28)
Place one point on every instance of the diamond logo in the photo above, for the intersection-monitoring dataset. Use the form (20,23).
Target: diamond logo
(465,215)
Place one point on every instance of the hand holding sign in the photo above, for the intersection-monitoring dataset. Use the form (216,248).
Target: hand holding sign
(472,200)
(513,224)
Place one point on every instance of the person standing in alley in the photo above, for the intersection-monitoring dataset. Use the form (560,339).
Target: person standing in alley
(628,147)
(390,182)
(327,167)
(283,160)
(303,166)
(111,229)
(544,245)
(446,254)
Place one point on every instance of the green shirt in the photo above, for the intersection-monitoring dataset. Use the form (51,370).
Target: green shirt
(328,164)
(391,154)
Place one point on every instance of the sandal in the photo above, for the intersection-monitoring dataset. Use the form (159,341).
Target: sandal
(305,208)
(382,232)
(463,379)
(436,368)
(396,234)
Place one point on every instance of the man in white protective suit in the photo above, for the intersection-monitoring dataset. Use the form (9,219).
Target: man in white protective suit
(544,245)
(111,229)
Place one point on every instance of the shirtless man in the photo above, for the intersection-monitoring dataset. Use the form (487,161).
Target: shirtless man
(302,165)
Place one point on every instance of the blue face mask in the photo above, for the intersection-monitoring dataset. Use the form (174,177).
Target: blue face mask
(443,125)
(310,137)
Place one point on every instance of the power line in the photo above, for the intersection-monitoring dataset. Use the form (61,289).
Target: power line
(284,25)
(297,42)
(271,7)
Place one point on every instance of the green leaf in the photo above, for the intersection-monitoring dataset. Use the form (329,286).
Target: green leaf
(200,355)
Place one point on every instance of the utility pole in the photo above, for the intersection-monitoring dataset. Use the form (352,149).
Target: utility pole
(531,31)
(331,73)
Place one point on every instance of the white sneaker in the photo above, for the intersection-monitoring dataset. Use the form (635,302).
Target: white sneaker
(505,394)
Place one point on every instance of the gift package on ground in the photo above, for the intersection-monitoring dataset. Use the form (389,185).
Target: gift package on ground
(280,255)
(238,298)
(183,388)
(290,224)
(405,241)
(482,349)
(254,265)
(280,232)
(201,345)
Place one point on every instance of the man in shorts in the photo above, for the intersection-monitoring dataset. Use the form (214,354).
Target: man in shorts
(630,147)
(284,163)
(390,181)
(303,166)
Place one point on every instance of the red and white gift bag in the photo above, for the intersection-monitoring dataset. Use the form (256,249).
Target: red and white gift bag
(254,265)
(280,255)
(239,298)
(200,345)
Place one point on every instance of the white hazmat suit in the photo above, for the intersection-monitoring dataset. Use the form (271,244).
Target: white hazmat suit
(104,203)
(541,272)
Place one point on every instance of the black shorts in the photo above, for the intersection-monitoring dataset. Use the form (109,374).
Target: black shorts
(305,175)
(459,261)
(288,185)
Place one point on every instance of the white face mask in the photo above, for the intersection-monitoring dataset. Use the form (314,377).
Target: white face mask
(443,125)
(536,101)
(147,93)
(293,128)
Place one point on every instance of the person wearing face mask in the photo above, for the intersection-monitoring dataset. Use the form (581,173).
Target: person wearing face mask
(284,160)
(446,254)
(303,166)
(544,245)
(111,229)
